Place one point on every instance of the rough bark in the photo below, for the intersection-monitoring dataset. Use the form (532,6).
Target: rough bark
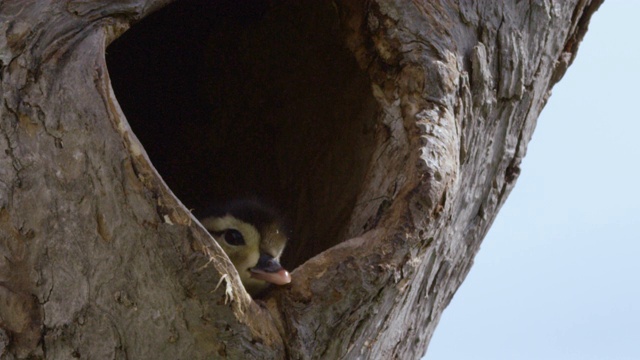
(99,259)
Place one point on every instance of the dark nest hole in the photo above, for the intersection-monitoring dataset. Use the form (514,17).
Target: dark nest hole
(252,99)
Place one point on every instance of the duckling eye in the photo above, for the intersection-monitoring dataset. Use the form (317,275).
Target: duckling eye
(233,237)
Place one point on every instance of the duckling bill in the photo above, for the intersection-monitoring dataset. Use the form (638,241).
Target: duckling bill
(254,239)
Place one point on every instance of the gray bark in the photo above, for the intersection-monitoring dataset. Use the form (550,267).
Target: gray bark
(99,259)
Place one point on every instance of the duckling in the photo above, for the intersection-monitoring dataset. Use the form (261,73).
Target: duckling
(253,237)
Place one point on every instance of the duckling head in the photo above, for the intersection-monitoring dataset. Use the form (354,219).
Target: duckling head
(254,239)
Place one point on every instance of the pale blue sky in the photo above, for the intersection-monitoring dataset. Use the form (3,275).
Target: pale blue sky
(557,275)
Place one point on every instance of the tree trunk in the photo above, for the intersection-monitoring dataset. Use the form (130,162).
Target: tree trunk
(388,132)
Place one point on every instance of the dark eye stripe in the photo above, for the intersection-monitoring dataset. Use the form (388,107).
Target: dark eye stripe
(234,237)
(231,236)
